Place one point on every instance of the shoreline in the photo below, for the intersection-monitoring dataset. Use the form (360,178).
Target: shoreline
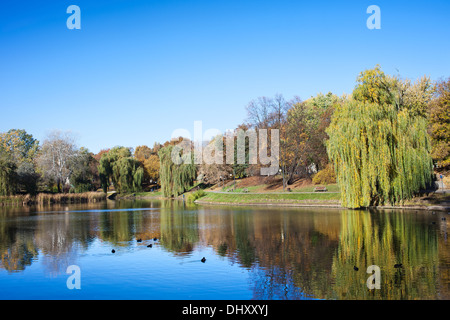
(443,206)
(270,204)
(312,200)
(141,198)
(324,205)
(51,198)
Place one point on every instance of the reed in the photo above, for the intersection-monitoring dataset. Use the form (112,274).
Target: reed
(48,198)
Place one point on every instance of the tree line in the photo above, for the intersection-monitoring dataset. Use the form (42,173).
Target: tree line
(381,144)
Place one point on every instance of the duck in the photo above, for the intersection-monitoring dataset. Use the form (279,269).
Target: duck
(139,240)
(155,239)
(398,265)
(203,260)
(355,268)
(150,245)
(113,250)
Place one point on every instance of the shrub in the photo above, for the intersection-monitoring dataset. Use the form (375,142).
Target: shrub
(196,195)
(325,176)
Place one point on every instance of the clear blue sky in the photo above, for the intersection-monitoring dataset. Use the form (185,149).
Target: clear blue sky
(137,70)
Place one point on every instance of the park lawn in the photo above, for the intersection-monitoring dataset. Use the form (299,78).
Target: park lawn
(330,188)
(288,198)
(264,188)
(258,188)
(150,194)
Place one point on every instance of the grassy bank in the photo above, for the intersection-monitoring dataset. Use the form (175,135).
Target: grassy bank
(140,195)
(266,188)
(276,198)
(48,198)
(431,202)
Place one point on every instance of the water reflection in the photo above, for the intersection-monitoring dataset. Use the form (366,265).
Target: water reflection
(289,253)
(386,239)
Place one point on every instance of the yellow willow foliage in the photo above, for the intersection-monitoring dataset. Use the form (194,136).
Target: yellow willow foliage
(385,239)
(380,154)
(175,178)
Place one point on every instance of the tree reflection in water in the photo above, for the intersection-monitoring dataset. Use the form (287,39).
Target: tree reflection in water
(289,253)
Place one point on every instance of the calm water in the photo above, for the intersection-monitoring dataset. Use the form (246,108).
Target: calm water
(251,253)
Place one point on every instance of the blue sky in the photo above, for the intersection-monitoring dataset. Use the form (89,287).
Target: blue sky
(138,70)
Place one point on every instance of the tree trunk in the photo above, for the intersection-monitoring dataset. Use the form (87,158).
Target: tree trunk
(58,184)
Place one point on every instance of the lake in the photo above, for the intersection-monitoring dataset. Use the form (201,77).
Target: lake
(251,252)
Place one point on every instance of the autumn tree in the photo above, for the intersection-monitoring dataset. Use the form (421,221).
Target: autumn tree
(148,157)
(304,150)
(214,167)
(378,141)
(99,155)
(266,113)
(439,126)
(151,168)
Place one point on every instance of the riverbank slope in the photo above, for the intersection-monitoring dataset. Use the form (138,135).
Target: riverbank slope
(434,202)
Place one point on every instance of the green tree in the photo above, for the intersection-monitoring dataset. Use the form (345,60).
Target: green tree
(378,143)
(119,167)
(20,145)
(82,175)
(21,149)
(27,178)
(8,176)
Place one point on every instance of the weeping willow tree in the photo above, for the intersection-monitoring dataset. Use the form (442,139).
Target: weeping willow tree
(8,176)
(379,143)
(119,167)
(177,171)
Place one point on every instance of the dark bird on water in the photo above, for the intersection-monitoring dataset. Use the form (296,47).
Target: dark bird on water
(203,259)
(154,239)
(113,250)
(355,268)
(398,265)
(139,240)
(150,245)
